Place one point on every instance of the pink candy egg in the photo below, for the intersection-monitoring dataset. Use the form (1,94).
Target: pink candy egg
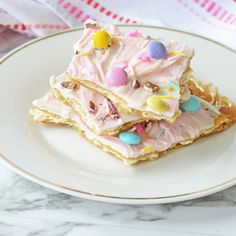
(116,77)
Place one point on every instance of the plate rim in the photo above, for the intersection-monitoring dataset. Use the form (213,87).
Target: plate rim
(107,198)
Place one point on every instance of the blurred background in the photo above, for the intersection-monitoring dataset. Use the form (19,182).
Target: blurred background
(22,20)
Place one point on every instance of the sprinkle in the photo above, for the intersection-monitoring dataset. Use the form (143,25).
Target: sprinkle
(132,130)
(144,58)
(160,132)
(134,33)
(148,127)
(147,148)
(173,84)
(114,41)
(164,96)
(84,54)
(122,64)
(139,129)
(173,52)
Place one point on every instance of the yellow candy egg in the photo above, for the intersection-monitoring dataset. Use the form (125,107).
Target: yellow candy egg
(157,104)
(101,39)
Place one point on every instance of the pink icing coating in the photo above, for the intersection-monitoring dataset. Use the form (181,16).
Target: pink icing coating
(186,126)
(95,67)
(82,96)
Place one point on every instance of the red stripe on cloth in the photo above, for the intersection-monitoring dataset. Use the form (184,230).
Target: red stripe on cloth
(73,9)
(89,2)
(217,11)
(79,14)
(102,9)
(60,1)
(233,20)
(29,26)
(228,18)
(86,17)
(66,5)
(121,19)
(114,16)
(210,7)
(203,18)
(214,10)
(222,15)
(107,12)
(203,4)
(95,5)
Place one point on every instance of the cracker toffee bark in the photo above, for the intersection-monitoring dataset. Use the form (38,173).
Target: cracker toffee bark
(98,112)
(138,74)
(156,137)
(133,96)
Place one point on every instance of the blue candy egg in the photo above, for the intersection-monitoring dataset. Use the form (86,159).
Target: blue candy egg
(157,50)
(129,138)
(191,105)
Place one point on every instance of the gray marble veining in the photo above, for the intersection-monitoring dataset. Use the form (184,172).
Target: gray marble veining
(29,209)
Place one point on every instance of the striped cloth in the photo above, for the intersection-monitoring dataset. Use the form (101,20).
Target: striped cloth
(21,20)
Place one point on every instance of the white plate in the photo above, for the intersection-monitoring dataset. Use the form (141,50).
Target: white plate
(60,159)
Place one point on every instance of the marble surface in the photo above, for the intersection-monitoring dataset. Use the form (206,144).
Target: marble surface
(29,209)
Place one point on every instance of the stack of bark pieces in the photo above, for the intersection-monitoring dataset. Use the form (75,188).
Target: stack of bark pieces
(132,95)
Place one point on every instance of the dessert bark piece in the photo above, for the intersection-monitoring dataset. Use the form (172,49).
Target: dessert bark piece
(138,74)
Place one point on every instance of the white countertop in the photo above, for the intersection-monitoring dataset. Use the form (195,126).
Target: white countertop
(29,209)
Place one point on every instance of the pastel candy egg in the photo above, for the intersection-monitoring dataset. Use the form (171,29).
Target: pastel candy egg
(116,77)
(157,50)
(129,138)
(157,104)
(101,39)
(191,105)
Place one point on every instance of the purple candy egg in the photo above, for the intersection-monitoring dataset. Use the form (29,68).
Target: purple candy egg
(157,50)
(116,77)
